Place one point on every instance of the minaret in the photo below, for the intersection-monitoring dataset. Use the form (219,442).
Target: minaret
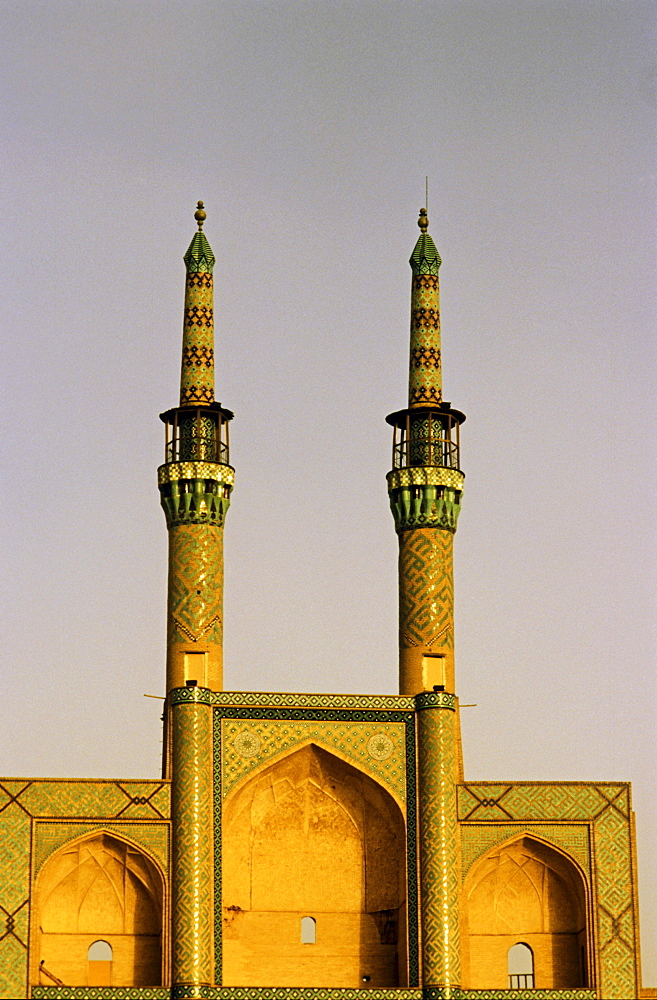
(425,488)
(195,485)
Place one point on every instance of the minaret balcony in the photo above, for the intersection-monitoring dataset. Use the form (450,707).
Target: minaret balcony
(197,434)
(426,437)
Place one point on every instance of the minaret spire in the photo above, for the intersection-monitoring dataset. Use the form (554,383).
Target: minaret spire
(425,372)
(197,369)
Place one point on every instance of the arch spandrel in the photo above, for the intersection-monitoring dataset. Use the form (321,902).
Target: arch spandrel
(348,741)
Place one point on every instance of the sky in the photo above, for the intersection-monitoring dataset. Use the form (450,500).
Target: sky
(308,129)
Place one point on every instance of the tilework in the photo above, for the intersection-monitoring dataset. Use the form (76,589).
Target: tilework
(197,368)
(606,807)
(101,993)
(196,501)
(281,993)
(173,471)
(283,699)
(196,576)
(477,839)
(119,799)
(425,372)
(617,930)
(231,719)
(13,966)
(199,261)
(424,507)
(192,808)
(426,589)
(435,699)
(350,739)
(15,827)
(439,846)
(434,475)
(152,837)
(425,259)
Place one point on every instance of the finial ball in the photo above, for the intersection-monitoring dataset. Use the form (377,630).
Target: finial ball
(200,214)
(423,221)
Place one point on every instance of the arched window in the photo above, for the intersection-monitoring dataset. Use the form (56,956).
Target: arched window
(520,964)
(100,951)
(99,957)
(308,930)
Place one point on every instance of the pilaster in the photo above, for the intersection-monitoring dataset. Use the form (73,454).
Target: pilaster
(193,856)
(439,840)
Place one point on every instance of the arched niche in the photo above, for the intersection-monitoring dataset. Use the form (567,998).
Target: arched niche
(525,892)
(99,888)
(311,836)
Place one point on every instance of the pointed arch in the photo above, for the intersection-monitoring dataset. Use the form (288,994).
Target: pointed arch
(530,892)
(99,887)
(310,835)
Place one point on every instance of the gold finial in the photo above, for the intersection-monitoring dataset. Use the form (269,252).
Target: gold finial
(200,214)
(423,221)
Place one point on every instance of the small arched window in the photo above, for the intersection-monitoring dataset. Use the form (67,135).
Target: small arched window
(99,957)
(308,930)
(520,963)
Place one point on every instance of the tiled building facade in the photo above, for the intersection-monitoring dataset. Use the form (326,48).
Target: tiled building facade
(309,847)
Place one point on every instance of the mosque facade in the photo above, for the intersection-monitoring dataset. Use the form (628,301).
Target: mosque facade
(309,846)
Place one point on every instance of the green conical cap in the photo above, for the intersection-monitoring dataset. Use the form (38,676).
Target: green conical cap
(199,256)
(425,259)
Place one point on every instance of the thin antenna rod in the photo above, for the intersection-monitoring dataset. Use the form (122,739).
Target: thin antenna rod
(426,194)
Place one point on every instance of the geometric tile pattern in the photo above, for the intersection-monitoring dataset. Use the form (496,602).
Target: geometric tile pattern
(173,471)
(350,729)
(439,846)
(196,569)
(101,992)
(476,840)
(192,882)
(606,807)
(197,369)
(350,739)
(425,476)
(425,373)
(283,699)
(426,589)
(283,993)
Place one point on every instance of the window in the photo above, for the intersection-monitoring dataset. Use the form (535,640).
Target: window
(99,956)
(520,963)
(308,930)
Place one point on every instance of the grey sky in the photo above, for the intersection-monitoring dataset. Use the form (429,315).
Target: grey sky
(308,128)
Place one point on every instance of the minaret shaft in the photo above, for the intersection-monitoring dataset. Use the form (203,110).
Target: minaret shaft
(426,610)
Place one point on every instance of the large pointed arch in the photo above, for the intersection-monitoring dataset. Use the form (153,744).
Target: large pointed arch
(311,835)
(99,887)
(526,890)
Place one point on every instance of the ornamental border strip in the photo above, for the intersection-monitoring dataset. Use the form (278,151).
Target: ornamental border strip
(291,714)
(189,991)
(269,699)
